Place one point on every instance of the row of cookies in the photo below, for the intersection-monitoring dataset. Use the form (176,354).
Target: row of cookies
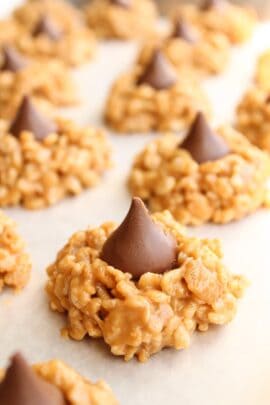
(124,289)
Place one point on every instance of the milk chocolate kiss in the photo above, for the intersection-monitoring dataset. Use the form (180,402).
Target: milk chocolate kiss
(211,4)
(47,27)
(122,3)
(159,73)
(139,245)
(203,143)
(28,118)
(22,386)
(12,60)
(182,30)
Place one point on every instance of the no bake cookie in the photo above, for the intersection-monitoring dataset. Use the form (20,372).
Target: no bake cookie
(215,176)
(62,12)
(253,117)
(49,84)
(142,286)
(15,264)
(154,98)
(122,19)
(188,48)
(50,383)
(47,38)
(43,160)
(236,22)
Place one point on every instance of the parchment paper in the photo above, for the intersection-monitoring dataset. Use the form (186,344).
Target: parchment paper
(226,366)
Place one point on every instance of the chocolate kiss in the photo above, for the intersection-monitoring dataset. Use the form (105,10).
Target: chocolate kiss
(22,386)
(183,31)
(211,4)
(13,61)
(203,143)
(47,27)
(122,3)
(139,245)
(28,118)
(159,73)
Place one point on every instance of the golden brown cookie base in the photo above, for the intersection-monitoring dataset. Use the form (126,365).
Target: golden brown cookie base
(38,174)
(76,389)
(63,14)
(166,177)
(73,49)
(253,117)
(237,23)
(131,108)
(140,318)
(210,55)
(110,21)
(50,83)
(15,264)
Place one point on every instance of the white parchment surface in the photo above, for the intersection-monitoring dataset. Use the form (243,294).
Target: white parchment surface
(226,366)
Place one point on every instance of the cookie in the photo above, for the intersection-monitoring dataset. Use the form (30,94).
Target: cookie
(50,84)
(236,22)
(43,160)
(189,49)
(50,383)
(62,12)
(52,29)
(253,117)
(154,98)
(15,263)
(213,176)
(142,286)
(122,19)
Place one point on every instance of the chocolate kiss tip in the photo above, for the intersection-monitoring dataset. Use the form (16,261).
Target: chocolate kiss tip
(13,61)
(122,3)
(211,4)
(183,31)
(139,245)
(203,143)
(47,27)
(159,73)
(28,118)
(22,386)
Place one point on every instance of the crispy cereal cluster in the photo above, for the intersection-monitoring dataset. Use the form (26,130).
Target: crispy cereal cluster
(110,20)
(76,389)
(165,176)
(49,85)
(37,174)
(15,264)
(141,108)
(159,310)
(62,12)
(235,22)
(53,29)
(209,55)
(253,117)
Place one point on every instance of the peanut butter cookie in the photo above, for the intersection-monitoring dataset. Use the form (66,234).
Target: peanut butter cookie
(49,84)
(50,383)
(122,19)
(154,98)
(211,176)
(189,49)
(235,21)
(142,286)
(43,160)
(15,263)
